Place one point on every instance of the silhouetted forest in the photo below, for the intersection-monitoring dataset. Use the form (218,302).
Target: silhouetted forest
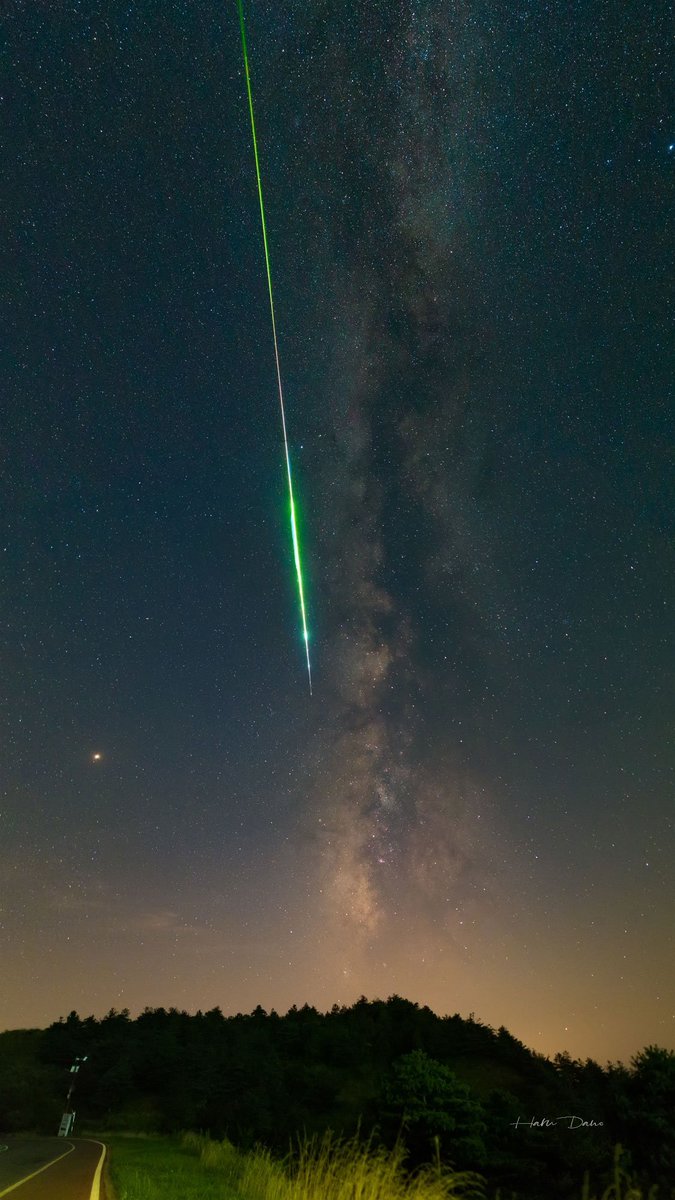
(392,1066)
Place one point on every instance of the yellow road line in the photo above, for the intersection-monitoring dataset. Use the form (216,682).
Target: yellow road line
(39,1171)
(96,1185)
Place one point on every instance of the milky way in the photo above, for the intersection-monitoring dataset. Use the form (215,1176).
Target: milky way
(467,211)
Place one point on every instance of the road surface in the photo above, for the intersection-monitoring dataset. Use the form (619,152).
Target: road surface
(50,1168)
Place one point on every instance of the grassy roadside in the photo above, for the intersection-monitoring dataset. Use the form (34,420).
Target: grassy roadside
(160,1168)
(196,1168)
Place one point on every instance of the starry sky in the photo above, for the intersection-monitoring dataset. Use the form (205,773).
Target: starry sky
(467,211)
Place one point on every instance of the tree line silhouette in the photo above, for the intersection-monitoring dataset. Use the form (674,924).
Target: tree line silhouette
(389,1066)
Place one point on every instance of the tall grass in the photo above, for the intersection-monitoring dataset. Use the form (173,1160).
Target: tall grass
(319,1168)
(329,1169)
(622,1187)
(216,1156)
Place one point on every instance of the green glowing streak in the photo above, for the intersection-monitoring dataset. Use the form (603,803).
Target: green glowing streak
(294,527)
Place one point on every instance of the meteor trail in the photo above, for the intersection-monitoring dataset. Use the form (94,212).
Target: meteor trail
(294,527)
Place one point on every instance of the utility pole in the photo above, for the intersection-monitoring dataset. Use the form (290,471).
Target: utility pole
(68,1118)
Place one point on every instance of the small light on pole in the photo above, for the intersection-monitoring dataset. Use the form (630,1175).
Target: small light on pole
(68,1118)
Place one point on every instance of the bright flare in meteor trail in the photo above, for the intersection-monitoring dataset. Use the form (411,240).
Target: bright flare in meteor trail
(294,526)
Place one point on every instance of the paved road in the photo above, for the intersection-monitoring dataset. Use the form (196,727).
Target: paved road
(50,1169)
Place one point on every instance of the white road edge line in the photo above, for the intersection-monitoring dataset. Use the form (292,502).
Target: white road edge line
(96,1185)
(39,1171)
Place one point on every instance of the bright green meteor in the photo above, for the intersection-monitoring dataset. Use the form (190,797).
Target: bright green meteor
(294,526)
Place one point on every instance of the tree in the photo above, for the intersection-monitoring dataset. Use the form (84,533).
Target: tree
(646,1110)
(430,1102)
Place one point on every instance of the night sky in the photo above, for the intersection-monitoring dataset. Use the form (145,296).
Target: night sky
(467,208)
